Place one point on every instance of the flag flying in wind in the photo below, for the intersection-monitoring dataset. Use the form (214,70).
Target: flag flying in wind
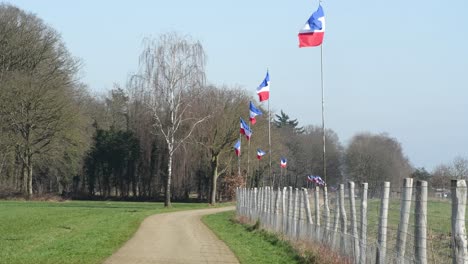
(316,179)
(237,148)
(260,154)
(254,111)
(245,129)
(284,162)
(312,33)
(263,90)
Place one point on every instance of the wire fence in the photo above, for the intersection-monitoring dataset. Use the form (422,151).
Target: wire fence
(414,223)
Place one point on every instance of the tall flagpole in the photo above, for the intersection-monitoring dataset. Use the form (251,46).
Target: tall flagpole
(248,156)
(269,133)
(323,115)
(239,156)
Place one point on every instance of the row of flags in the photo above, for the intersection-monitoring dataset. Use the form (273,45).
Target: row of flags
(316,179)
(263,92)
(311,35)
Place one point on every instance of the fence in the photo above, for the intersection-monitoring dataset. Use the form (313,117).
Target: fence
(393,225)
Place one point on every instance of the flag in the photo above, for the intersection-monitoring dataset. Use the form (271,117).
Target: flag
(254,111)
(316,179)
(260,154)
(263,90)
(283,162)
(237,148)
(245,129)
(312,33)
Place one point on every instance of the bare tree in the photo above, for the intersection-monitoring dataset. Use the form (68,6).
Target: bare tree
(459,168)
(219,134)
(36,90)
(172,67)
(375,158)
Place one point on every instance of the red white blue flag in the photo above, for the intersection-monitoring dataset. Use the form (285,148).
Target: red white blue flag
(312,33)
(254,111)
(237,148)
(263,90)
(245,129)
(283,162)
(260,154)
(316,179)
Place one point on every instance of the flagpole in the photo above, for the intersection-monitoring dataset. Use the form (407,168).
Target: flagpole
(323,115)
(248,155)
(269,134)
(239,156)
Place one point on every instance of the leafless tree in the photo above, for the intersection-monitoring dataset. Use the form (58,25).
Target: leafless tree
(375,158)
(459,168)
(172,67)
(37,82)
(219,134)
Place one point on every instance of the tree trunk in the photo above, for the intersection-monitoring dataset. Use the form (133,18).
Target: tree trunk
(214,175)
(27,175)
(167,202)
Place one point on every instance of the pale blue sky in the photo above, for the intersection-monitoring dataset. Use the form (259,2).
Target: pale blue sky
(399,67)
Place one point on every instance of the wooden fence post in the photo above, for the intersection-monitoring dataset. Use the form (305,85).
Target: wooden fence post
(278,218)
(363,241)
(420,226)
(284,208)
(237,201)
(255,208)
(459,242)
(290,210)
(352,204)
(382,235)
(326,215)
(300,215)
(308,214)
(336,223)
(267,207)
(295,214)
(344,235)
(406,195)
(317,206)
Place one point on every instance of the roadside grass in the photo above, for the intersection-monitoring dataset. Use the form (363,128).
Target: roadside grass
(249,244)
(71,231)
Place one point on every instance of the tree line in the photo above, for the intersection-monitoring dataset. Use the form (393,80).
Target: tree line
(165,134)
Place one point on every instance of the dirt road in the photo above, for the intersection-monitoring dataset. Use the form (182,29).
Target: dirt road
(178,237)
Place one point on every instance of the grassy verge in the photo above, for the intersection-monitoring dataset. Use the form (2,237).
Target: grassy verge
(249,244)
(72,231)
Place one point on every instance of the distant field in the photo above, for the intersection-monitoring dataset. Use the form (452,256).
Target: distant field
(72,231)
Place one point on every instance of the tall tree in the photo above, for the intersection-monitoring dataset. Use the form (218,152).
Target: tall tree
(219,134)
(37,87)
(374,158)
(284,121)
(171,67)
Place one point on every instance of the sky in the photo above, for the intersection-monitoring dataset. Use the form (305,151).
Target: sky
(399,67)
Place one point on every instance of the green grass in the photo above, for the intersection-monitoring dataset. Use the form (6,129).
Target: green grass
(438,226)
(72,231)
(248,244)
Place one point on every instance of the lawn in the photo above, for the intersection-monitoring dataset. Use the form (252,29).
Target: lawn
(71,231)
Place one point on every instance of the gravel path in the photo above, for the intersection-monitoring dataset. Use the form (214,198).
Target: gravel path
(178,237)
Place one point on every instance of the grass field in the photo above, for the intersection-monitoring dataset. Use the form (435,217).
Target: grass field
(250,246)
(71,231)
(438,227)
